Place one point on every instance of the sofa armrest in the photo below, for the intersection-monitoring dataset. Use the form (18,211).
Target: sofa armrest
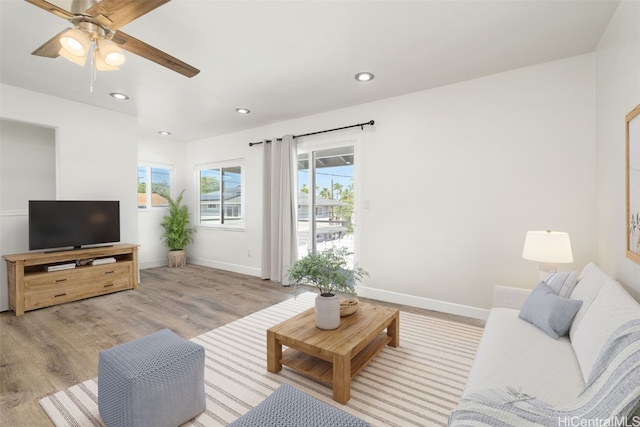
(508,297)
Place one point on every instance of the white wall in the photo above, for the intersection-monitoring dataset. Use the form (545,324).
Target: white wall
(453,177)
(96,152)
(234,250)
(617,93)
(160,151)
(33,178)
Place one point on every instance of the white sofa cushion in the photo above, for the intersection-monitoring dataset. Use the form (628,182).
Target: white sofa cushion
(517,354)
(611,307)
(591,279)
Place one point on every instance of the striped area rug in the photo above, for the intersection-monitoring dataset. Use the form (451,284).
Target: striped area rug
(415,384)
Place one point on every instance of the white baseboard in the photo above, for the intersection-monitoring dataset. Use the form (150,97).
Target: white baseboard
(426,303)
(153,263)
(242,269)
(379,294)
(236,268)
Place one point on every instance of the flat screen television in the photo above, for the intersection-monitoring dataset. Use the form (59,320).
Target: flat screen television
(60,224)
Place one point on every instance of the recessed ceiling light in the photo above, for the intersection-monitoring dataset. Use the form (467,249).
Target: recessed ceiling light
(164,132)
(243,110)
(120,96)
(364,77)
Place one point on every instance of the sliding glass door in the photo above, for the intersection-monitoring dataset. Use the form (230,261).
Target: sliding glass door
(326,196)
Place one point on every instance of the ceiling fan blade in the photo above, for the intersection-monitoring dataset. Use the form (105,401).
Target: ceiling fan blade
(51,48)
(121,12)
(149,52)
(58,11)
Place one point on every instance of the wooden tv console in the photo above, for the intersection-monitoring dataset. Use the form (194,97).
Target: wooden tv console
(31,286)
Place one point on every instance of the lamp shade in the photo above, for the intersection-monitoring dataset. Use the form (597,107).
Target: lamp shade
(75,42)
(74,45)
(100,64)
(80,60)
(111,54)
(548,247)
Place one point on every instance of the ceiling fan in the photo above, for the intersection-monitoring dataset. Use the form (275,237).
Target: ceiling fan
(99,23)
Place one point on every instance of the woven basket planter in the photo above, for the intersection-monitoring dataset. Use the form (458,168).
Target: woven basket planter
(177,258)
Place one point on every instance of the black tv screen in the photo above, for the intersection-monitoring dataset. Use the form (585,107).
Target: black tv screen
(76,223)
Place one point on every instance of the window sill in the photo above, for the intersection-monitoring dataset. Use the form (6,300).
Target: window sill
(153,209)
(236,228)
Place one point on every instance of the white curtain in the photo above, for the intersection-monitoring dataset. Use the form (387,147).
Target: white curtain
(279,224)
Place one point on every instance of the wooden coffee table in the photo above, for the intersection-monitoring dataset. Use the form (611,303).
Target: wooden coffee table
(333,357)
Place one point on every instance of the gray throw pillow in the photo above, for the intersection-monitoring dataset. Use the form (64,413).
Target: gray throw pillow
(549,312)
(562,283)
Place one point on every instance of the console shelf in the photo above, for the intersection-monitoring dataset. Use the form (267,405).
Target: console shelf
(31,286)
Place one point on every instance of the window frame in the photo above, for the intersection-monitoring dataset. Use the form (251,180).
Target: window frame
(148,183)
(327,143)
(221,165)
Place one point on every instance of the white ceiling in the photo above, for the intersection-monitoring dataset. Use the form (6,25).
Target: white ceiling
(287,59)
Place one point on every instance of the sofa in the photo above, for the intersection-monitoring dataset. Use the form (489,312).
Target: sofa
(523,374)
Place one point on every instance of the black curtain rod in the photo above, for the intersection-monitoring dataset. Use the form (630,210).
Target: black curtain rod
(360,125)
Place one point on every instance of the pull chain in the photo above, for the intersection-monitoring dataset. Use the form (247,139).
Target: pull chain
(94,71)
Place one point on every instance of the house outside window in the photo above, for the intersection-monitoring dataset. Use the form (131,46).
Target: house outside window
(221,189)
(154,185)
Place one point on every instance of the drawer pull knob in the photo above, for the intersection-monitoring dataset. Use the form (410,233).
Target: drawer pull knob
(59,280)
(59,295)
(109,272)
(108,286)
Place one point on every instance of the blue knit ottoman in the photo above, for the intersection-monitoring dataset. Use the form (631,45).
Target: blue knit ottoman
(154,381)
(290,407)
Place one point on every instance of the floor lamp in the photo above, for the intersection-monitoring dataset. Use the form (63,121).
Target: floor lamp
(549,248)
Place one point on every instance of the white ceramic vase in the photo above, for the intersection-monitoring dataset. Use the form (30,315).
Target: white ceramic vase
(327,312)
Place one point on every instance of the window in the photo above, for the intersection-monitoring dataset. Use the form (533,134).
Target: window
(154,195)
(221,194)
(326,215)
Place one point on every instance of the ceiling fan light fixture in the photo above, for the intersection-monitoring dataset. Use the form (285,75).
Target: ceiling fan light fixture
(95,20)
(80,60)
(75,42)
(111,54)
(100,63)
(115,59)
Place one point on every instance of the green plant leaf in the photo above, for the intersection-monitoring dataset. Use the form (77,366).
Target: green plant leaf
(327,270)
(177,233)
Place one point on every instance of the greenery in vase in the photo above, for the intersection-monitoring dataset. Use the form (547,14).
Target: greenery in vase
(327,270)
(177,233)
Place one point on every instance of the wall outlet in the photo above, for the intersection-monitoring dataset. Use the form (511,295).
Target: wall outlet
(249,253)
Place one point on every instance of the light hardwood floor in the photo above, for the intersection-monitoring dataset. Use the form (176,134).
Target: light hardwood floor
(53,348)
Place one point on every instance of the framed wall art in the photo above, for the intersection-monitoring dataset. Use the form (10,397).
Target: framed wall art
(633,183)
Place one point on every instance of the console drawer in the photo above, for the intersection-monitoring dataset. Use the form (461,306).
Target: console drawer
(65,293)
(80,276)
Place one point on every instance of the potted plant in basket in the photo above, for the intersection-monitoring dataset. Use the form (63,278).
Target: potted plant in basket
(177,233)
(327,270)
